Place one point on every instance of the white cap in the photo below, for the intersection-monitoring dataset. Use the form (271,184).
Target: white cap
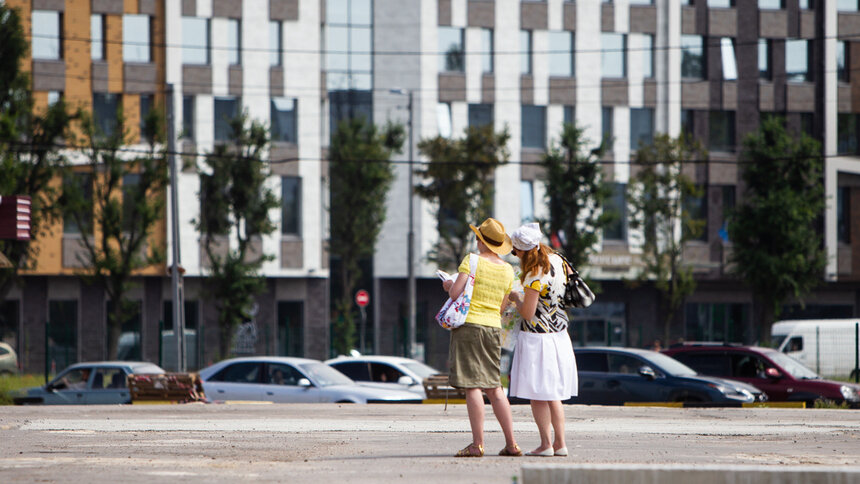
(527,237)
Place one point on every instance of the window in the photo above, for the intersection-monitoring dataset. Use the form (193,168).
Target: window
(560,58)
(623,364)
(145,109)
(696,210)
(525,51)
(721,127)
(533,134)
(130,183)
(192,341)
(349,42)
(805,4)
(770,4)
(720,3)
(688,122)
(105,108)
(841,64)
(47,29)
(283,116)
(226,109)
(606,120)
(728,194)
(617,206)
(641,127)
(764,48)
(443,119)
(641,2)
(62,332)
(54,97)
(713,322)
(451,58)
(612,55)
(135,38)
(195,40)
(291,205)
(188,117)
(843,215)
(527,201)
(692,57)
(846,137)
(234,41)
(730,66)
(291,337)
(276,46)
(97,35)
(356,370)
(647,47)
(846,5)
(592,362)
(487,50)
(109,379)
(248,372)
(82,184)
(797,60)
(569,114)
(480,115)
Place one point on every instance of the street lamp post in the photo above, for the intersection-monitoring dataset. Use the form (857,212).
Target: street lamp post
(410,239)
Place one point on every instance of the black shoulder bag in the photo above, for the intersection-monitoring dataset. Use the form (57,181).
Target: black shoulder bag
(576,291)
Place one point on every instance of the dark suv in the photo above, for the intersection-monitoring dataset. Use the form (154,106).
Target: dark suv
(783,378)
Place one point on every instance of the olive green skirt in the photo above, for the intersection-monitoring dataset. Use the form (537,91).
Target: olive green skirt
(473,356)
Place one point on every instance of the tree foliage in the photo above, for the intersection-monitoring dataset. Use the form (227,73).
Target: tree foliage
(776,247)
(235,207)
(459,183)
(576,194)
(116,202)
(360,178)
(656,195)
(29,148)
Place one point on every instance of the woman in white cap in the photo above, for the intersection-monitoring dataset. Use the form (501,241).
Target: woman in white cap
(476,346)
(544,368)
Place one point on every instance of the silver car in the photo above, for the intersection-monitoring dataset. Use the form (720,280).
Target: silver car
(92,383)
(392,372)
(8,360)
(282,379)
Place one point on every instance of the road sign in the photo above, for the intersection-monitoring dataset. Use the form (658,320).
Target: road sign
(362,298)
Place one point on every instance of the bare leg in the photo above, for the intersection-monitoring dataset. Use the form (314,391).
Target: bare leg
(475,408)
(502,410)
(557,413)
(541,410)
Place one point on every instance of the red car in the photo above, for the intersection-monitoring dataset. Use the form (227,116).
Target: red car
(780,376)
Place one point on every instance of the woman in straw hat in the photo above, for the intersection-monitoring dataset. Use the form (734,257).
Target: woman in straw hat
(544,368)
(475,348)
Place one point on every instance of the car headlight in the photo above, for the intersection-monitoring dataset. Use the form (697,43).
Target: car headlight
(735,393)
(849,393)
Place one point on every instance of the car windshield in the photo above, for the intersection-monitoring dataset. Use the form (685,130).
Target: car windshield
(421,369)
(324,375)
(671,365)
(792,366)
(776,340)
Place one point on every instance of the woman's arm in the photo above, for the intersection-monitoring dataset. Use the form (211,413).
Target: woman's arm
(528,306)
(456,288)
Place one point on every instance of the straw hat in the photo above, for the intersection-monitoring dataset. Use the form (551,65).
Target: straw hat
(492,233)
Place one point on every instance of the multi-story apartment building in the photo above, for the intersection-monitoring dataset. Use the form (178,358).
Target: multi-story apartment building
(626,69)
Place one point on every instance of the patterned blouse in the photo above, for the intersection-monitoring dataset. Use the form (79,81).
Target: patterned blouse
(549,316)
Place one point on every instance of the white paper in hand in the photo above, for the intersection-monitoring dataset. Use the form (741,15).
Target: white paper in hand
(444,276)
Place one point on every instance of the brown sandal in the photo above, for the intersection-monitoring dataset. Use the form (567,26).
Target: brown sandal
(514,451)
(471,450)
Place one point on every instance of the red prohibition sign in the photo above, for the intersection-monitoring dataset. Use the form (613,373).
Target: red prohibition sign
(362,298)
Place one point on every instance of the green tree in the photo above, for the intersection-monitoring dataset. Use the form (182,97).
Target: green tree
(776,247)
(656,196)
(29,155)
(576,194)
(360,178)
(459,184)
(117,207)
(234,215)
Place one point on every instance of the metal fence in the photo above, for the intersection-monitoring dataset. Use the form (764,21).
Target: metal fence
(830,348)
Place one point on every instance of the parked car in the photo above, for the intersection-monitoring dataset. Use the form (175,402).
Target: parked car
(804,341)
(282,379)
(392,372)
(783,378)
(89,383)
(614,376)
(8,360)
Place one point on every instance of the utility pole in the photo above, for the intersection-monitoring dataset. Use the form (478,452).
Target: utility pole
(410,262)
(175,275)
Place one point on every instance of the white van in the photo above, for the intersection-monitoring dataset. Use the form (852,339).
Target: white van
(827,346)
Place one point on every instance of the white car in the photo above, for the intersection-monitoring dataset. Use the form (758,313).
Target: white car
(385,371)
(8,360)
(283,379)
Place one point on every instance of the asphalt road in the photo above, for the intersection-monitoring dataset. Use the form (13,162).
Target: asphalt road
(390,443)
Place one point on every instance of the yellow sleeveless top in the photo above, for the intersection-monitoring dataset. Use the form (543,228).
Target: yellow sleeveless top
(492,283)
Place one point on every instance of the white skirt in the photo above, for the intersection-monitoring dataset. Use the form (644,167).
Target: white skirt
(544,367)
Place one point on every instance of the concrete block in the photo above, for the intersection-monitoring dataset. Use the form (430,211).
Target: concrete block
(685,474)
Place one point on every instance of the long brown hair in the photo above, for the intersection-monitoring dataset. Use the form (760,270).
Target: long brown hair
(532,260)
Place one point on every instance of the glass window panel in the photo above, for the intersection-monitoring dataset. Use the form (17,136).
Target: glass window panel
(692,57)
(337,11)
(487,50)
(569,114)
(360,12)
(846,5)
(606,124)
(226,108)
(283,114)
(146,101)
(46,34)
(130,183)
(612,55)
(696,208)
(291,204)
(337,48)
(730,66)
(451,57)
(527,201)
(188,117)
(721,126)
(770,4)
(525,51)
(797,60)
(719,3)
(641,127)
(97,46)
(640,2)
(647,55)
(105,112)
(195,40)
(841,65)
(687,122)
(480,115)
(360,39)
(560,55)
(62,333)
(443,119)
(275,44)
(234,41)
(83,184)
(846,137)
(764,59)
(804,4)
(843,214)
(617,205)
(135,38)
(361,82)
(533,134)
(291,328)
(54,97)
